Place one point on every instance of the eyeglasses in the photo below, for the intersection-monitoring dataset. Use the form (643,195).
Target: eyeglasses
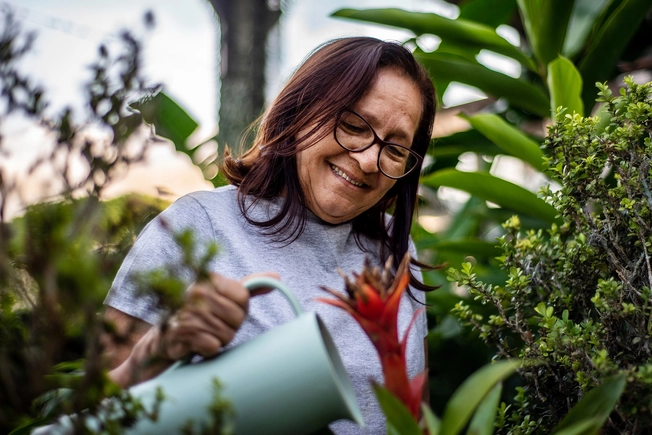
(354,134)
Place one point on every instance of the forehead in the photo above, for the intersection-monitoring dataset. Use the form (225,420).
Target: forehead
(392,105)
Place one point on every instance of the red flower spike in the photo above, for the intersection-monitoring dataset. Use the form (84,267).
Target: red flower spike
(373,301)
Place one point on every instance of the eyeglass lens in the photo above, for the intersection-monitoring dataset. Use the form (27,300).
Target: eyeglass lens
(354,133)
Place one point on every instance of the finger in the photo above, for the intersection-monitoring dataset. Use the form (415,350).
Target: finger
(223,327)
(230,289)
(206,300)
(261,290)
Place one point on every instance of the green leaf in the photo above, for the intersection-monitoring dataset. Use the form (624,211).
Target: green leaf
(545,23)
(468,396)
(474,247)
(482,422)
(399,418)
(490,12)
(494,189)
(169,119)
(463,142)
(463,33)
(455,68)
(584,427)
(565,85)
(604,51)
(582,19)
(432,422)
(509,138)
(596,405)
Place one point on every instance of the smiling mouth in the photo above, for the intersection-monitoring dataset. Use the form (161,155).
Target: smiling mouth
(341,174)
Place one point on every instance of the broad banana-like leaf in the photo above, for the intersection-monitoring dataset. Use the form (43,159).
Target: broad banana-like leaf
(474,247)
(596,405)
(399,419)
(545,23)
(462,142)
(496,190)
(518,92)
(605,49)
(482,422)
(582,19)
(509,138)
(565,85)
(490,12)
(460,32)
(468,396)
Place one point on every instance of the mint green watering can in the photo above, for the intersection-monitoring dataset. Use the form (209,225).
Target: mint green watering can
(288,380)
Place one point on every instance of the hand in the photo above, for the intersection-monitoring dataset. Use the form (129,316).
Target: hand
(212,313)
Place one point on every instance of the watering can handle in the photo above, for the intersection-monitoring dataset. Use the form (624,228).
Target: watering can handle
(267,281)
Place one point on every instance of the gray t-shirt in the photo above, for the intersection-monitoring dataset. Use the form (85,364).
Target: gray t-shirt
(304,265)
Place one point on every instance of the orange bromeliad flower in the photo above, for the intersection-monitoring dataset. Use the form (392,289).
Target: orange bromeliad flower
(373,301)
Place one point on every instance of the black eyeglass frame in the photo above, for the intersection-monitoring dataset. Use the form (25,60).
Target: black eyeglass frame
(377,140)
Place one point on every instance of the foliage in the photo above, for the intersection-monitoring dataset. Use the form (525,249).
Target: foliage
(57,260)
(565,46)
(577,296)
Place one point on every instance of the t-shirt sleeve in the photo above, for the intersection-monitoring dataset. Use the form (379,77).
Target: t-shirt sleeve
(421,323)
(156,249)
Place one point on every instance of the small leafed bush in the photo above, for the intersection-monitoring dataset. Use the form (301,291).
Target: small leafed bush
(577,299)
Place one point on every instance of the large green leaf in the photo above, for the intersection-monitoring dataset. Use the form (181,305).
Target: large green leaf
(399,419)
(474,247)
(565,85)
(596,405)
(545,23)
(468,396)
(455,68)
(509,138)
(490,12)
(460,32)
(482,422)
(604,52)
(583,17)
(494,189)
(462,142)
(169,119)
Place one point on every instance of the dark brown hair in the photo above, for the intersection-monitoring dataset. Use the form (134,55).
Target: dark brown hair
(334,76)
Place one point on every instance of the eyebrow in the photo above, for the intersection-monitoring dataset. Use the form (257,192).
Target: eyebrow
(373,119)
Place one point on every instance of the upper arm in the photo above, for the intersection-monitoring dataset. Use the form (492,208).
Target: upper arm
(123,332)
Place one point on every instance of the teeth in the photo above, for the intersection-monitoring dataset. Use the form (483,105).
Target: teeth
(346,177)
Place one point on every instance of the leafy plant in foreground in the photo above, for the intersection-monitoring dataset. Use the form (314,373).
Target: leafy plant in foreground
(578,295)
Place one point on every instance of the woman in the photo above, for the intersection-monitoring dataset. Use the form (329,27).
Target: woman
(340,146)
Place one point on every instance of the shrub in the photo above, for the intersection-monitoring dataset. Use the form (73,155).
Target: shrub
(578,295)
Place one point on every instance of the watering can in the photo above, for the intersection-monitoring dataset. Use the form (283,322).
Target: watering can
(288,380)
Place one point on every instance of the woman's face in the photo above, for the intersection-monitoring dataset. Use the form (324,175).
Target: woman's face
(339,185)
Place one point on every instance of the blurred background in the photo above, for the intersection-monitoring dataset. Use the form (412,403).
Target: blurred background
(184,51)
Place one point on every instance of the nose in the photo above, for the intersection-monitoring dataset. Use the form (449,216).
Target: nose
(367,159)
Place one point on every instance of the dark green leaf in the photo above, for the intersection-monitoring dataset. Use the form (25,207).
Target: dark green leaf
(565,85)
(490,12)
(582,19)
(518,92)
(601,56)
(482,422)
(493,189)
(462,142)
(596,405)
(474,247)
(460,32)
(468,396)
(509,138)
(399,418)
(545,23)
